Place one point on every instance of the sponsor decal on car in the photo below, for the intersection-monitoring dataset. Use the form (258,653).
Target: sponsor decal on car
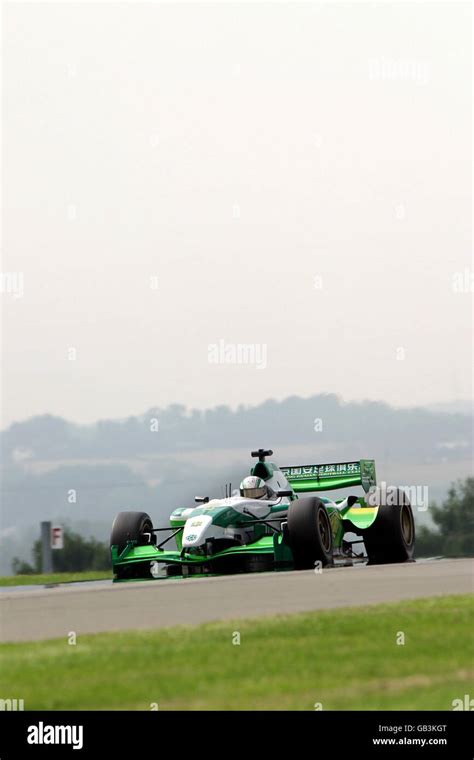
(322,470)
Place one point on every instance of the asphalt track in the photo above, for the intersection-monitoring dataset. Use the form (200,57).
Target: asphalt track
(44,613)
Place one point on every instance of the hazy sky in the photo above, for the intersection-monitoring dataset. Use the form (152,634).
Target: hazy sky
(296,177)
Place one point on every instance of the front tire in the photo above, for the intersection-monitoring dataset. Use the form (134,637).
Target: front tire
(391,538)
(130,526)
(309,533)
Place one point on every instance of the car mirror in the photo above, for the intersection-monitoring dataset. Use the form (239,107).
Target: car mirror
(285,493)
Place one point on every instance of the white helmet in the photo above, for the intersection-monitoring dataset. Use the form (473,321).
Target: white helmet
(253,487)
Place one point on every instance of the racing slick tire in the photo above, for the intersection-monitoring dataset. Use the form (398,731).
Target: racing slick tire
(391,538)
(130,526)
(309,533)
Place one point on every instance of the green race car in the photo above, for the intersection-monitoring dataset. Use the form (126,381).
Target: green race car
(274,522)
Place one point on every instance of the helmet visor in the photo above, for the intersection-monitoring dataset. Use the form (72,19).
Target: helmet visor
(254,493)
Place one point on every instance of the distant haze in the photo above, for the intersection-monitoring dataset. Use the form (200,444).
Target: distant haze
(83,475)
(291,178)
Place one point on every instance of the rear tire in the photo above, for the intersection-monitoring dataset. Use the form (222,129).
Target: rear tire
(391,538)
(309,533)
(130,526)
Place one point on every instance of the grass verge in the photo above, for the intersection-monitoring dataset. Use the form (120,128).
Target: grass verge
(343,659)
(42,578)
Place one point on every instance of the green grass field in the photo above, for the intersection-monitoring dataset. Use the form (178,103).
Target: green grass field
(344,659)
(28,580)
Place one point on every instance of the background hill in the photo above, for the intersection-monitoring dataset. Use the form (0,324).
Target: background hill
(83,475)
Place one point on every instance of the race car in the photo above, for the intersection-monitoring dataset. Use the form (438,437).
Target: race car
(274,522)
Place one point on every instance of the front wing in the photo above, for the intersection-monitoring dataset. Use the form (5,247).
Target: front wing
(134,554)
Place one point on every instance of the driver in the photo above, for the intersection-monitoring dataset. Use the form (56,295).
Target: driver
(253,487)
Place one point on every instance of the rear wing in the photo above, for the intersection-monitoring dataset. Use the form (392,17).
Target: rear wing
(324,477)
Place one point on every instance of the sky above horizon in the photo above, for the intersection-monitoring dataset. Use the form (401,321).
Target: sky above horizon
(222,203)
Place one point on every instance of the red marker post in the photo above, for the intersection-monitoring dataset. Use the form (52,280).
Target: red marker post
(57,537)
(52,537)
